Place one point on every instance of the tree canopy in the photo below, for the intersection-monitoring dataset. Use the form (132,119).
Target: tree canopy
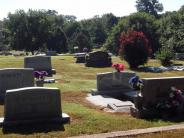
(149,6)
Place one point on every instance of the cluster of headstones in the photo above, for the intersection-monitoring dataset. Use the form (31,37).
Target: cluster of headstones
(116,84)
(23,102)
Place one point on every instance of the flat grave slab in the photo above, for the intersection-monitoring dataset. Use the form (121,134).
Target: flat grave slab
(114,105)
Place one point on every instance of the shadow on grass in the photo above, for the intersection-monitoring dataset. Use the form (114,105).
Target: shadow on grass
(29,129)
(166,118)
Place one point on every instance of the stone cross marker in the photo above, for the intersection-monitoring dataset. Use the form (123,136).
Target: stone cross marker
(32,105)
(12,78)
(39,63)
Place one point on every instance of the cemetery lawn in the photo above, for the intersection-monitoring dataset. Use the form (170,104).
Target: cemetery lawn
(75,82)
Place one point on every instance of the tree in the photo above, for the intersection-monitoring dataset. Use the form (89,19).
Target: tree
(171,32)
(82,40)
(149,6)
(57,40)
(141,22)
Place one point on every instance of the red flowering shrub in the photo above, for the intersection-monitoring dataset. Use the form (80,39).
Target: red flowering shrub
(134,48)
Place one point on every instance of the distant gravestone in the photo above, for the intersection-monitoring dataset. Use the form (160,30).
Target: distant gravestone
(33,105)
(113,83)
(12,78)
(39,63)
(98,59)
(80,57)
(179,56)
(51,53)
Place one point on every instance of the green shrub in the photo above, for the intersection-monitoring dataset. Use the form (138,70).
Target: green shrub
(134,48)
(165,54)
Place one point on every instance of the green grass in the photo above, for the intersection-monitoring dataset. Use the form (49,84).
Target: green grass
(75,82)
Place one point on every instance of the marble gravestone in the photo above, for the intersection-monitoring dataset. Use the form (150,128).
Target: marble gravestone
(12,78)
(113,84)
(39,63)
(33,105)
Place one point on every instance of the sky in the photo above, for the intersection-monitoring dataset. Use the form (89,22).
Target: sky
(82,9)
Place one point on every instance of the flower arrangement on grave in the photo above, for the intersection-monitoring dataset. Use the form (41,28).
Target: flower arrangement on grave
(40,75)
(174,101)
(136,83)
(118,67)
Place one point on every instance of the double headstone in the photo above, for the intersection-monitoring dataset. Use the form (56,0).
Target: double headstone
(12,78)
(154,91)
(39,63)
(98,59)
(113,84)
(33,105)
(154,88)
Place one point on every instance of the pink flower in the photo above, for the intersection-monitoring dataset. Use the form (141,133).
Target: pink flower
(119,67)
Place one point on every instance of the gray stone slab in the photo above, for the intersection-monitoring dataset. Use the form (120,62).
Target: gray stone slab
(39,63)
(123,107)
(114,80)
(154,88)
(32,105)
(13,78)
(108,102)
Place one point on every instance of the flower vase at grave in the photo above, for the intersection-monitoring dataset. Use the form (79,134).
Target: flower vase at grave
(116,78)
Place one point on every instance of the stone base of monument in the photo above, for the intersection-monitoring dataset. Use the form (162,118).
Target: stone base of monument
(65,118)
(120,93)
(144,113)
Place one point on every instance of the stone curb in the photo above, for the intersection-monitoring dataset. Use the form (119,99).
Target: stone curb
(133,132)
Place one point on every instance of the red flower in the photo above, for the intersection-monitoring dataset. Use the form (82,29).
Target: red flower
(119,67)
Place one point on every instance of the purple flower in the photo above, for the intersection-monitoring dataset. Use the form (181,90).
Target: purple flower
(40,74)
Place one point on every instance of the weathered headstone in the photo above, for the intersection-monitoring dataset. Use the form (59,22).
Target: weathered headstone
(39,63)
(113,84)
(98,59)
(33,105)
(12,78)
(51,53)
(80,57)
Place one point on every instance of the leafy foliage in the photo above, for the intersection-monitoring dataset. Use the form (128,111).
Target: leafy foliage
(134,48)
(165,54)
(149,6)
(171,30)
(141,22)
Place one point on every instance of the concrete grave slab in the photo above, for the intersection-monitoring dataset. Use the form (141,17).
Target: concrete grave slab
(108,102)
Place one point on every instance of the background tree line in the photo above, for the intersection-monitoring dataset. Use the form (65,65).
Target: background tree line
(41,30)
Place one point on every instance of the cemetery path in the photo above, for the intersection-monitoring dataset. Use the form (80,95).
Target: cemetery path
(134,132)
